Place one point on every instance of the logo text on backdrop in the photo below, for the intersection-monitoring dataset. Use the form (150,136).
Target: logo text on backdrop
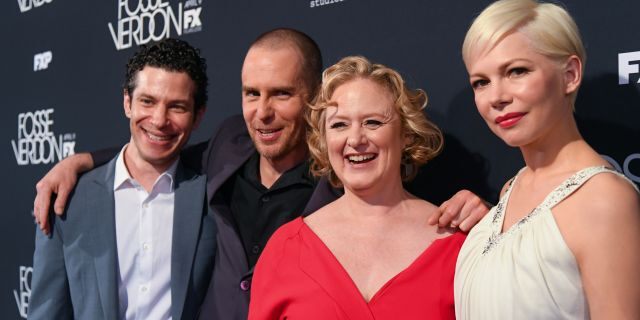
(36,143)
(140,22)
(628,64)
(22,296)
(26,5)
(41,60)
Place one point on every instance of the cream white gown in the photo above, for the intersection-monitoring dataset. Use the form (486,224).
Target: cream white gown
(527,272)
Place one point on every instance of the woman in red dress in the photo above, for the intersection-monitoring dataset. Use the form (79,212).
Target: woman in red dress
(371,254)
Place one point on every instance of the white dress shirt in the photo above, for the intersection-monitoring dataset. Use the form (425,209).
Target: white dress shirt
(144,232)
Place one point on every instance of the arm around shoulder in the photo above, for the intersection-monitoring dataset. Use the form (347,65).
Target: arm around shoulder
(60,180)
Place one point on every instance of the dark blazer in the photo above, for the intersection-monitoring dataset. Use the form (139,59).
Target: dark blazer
(228,149)
(75,269)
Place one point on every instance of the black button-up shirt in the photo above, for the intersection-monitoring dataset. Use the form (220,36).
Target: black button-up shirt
(258,211)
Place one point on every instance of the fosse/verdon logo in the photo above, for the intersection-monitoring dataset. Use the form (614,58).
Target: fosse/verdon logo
(22,296)
(626,67)
(141,21)
(26,5)
(36,143)
(41,60)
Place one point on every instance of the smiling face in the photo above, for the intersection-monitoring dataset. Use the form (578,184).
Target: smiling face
(274,96)
(364,136)
(162,116)
(523,96)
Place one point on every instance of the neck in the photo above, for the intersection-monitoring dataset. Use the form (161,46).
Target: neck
(143,172)
(272,168)
(562,149)
(376,204)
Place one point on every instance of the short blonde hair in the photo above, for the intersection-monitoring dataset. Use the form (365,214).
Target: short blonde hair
(425,137)
(551,29)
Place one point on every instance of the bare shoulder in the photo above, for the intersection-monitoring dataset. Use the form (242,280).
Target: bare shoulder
(603,212)
(422,206)
(608,196)
(425,209)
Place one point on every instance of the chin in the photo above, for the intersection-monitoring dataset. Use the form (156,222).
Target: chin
(359,186)
(270,151)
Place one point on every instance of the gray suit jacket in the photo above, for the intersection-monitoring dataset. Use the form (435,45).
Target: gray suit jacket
(75,269)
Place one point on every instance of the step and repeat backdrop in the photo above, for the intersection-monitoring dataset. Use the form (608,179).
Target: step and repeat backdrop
(63,65)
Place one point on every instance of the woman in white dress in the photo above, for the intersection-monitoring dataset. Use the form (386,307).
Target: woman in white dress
(564,240)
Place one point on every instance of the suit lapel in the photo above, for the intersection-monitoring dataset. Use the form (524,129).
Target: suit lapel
(103,241)
(187,217)
(227,159)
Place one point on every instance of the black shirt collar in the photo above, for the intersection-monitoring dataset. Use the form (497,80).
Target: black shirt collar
(298,174)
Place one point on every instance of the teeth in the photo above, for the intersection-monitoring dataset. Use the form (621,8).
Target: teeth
(360,158)
(267,131)
(157,138)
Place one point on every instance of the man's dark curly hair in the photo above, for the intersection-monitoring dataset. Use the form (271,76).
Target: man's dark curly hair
(171,55)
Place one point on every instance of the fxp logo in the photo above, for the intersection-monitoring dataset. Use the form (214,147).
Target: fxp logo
(628,64)
(41,60)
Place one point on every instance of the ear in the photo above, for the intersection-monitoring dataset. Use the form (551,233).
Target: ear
(126,102)
(572,74)
(198,117)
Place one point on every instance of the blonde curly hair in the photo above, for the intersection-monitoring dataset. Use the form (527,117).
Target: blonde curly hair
(425,138)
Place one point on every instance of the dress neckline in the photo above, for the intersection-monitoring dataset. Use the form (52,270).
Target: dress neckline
(315,239)
(559,193)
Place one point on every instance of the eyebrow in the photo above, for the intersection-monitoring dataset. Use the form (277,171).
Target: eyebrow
(502,66)
(335,115)
(283,88)
(149,96)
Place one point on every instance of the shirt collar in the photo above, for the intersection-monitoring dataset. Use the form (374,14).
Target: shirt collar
(298,174)
(122,178)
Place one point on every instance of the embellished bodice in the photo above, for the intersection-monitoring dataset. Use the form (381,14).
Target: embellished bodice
(526,272)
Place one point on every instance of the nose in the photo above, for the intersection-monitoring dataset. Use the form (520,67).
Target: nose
(264,111)
(159,116)
(499,96)
(356,137)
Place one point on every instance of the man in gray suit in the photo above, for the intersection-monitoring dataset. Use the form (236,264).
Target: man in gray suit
(136,240)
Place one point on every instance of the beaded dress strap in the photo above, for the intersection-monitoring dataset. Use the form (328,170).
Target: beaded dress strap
(573,183)
(558,194)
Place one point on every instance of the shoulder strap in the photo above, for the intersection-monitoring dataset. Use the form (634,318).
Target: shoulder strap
(572,184)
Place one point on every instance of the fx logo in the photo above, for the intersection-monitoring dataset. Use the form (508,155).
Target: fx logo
(22,297)
(625,67)
(192,18)
(41,60)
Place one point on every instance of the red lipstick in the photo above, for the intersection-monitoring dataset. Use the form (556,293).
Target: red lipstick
(510,119)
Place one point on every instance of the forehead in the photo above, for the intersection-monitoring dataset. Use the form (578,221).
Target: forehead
(362,96)
(270,67)
(514,46)
(158,81)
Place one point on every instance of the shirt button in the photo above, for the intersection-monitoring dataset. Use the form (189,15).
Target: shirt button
(265,198)
(145,205)
(145,246)
(245,285)
(255,249)
(144,288)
